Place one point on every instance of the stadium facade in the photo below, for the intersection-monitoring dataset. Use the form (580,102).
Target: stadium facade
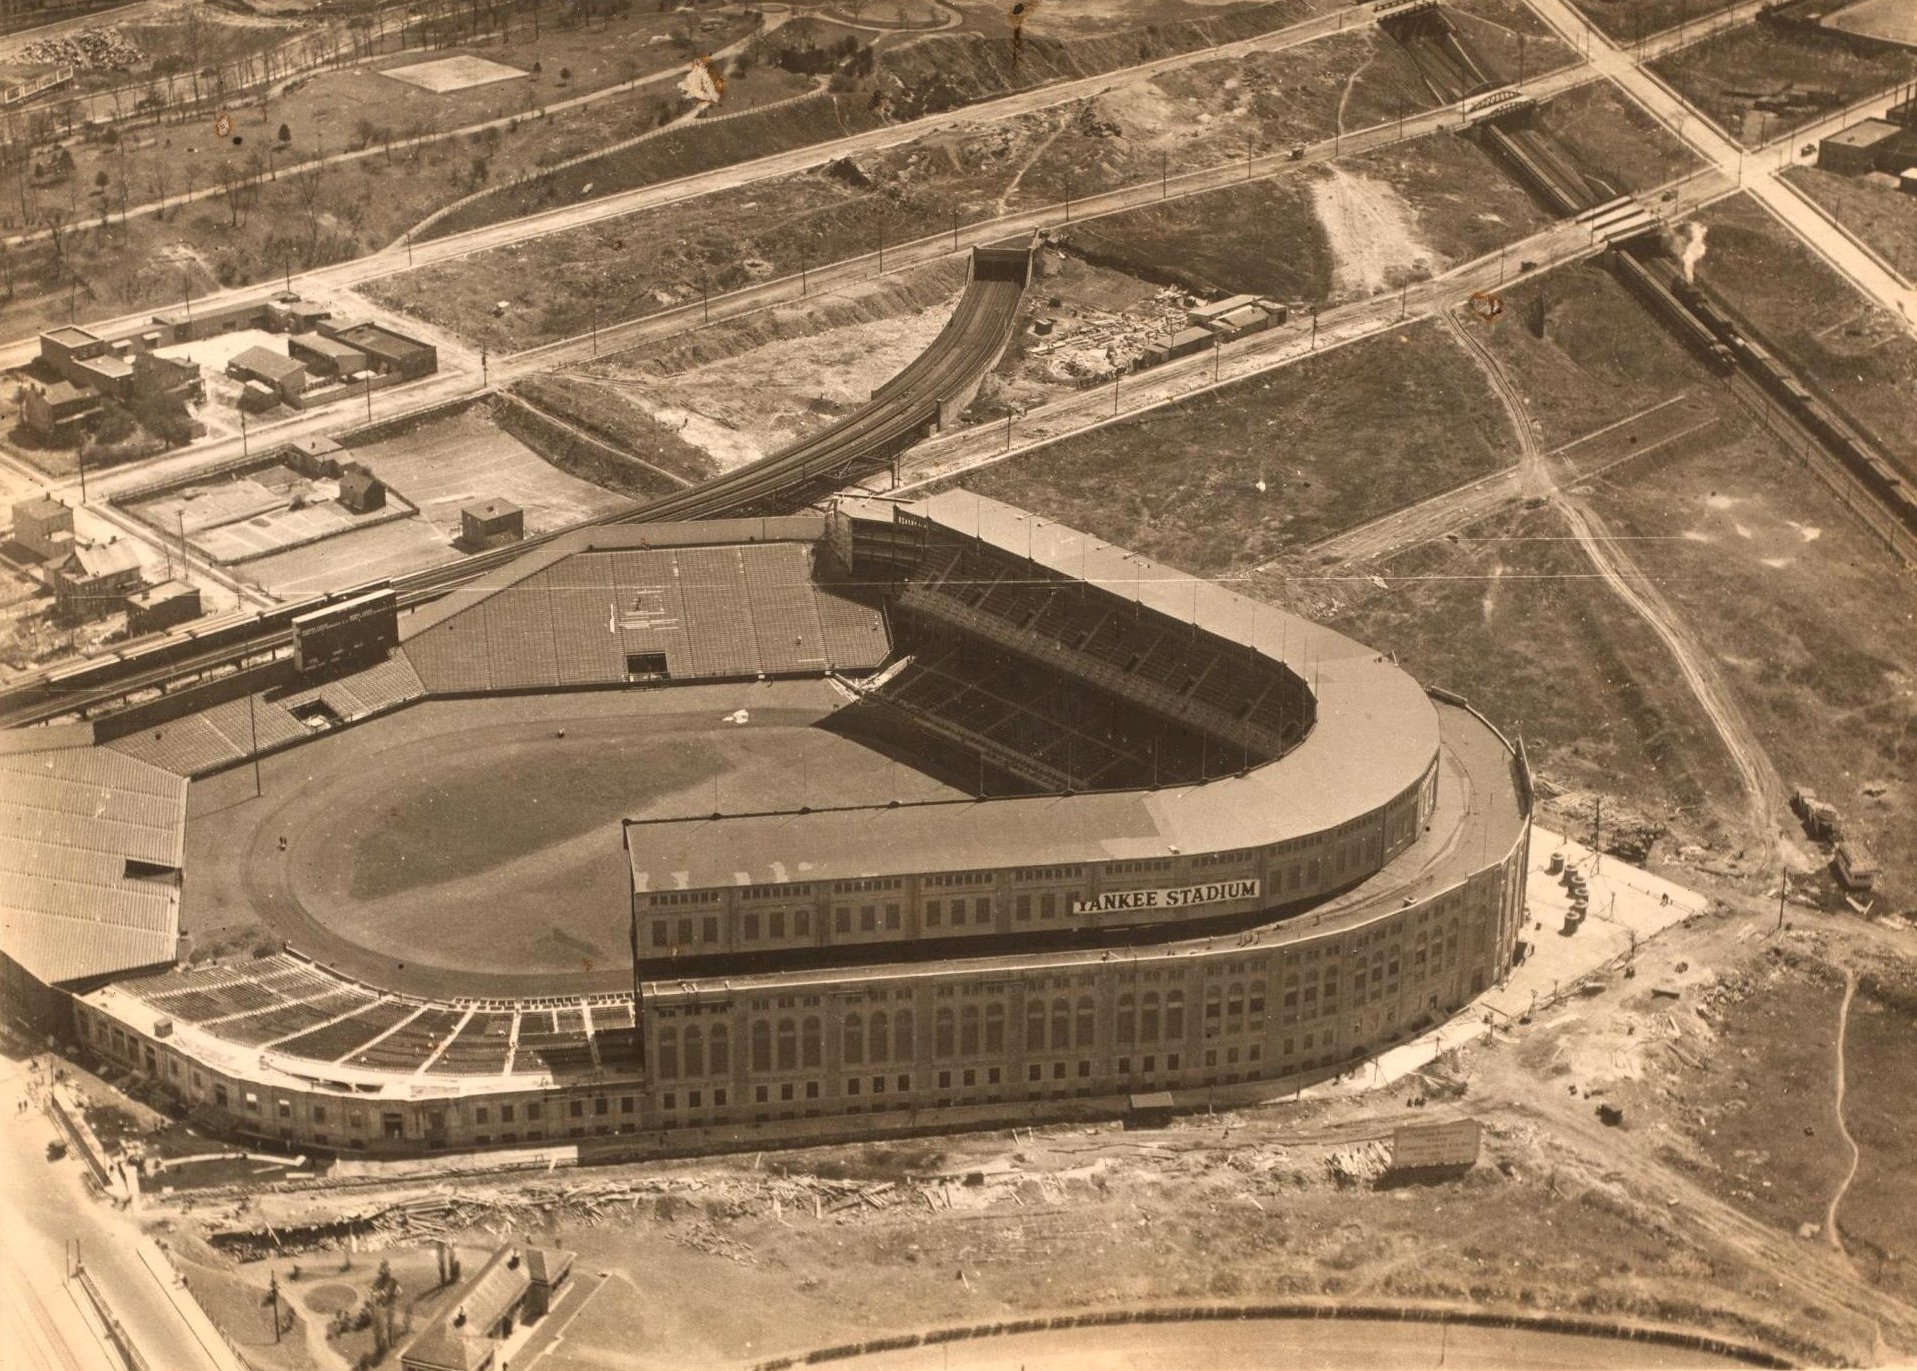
(1226,850)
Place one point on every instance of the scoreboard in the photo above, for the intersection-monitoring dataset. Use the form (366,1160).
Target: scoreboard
(362,629)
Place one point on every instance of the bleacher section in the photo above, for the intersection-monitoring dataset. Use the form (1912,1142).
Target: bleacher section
(231,732)
(687,613)
(297,1009)
(1254,708)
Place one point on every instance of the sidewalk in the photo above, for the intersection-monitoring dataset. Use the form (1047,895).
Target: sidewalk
(1626,902)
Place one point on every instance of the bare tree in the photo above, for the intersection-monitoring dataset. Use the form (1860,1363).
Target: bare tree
(233,186)
(307,182)
(156,177)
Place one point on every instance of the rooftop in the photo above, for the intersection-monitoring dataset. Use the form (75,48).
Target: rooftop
(73,820)
(71,335)
(265,362)
(490,509)
(105,559)
(1864,133)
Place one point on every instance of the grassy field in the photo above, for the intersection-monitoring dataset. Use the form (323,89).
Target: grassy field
(1509,40)
(1261,238)
(1512,616)
(1610,137)
(1783,1019)
(1336,440)
(599,410)
(1884,218)
(1626,21)
(1877,1215)
(1857,355)
(1463,203)
(1722,75)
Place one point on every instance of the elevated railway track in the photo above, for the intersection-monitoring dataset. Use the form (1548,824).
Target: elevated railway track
(938,383)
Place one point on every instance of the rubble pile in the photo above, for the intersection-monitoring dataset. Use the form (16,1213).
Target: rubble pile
(1359,1164)
(101,49)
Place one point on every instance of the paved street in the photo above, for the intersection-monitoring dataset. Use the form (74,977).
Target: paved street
(45,1206)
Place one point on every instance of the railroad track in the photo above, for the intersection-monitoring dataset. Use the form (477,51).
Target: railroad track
(899,414)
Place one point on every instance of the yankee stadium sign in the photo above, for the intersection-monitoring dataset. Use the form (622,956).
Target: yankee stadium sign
(1184,897)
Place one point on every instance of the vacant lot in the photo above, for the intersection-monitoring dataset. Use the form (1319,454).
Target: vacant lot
(1611,139)
(1883,217)
(1853,352)
(1332,441)
(1724,75)
(1626,21)
(1881,1109)
(1780,1019)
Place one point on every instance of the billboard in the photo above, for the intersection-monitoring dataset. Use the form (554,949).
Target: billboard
(362,629)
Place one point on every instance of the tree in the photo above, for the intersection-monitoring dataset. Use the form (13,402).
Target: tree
(565,75)
(285,134)
(385,1303)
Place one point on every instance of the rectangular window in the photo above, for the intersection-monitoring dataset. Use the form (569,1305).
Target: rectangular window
(481,1114)
(931,913)
(868,918)
(891,916)
(576,1108)
(685,932)
(1047,906)
(625,1104)
(749,928)
(982,909)
(1021,906)
(719,1098)
(709,929)
(506,1113)
(905,1083)
(660,937)
(842,918)
(776,920)
(534,1112)
(801,923)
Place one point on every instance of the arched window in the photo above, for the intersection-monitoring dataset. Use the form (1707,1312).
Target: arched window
(668,1054)
(1035,1025)
(788,1045)
(720,1062)
(761,1045)
(994,1028)
(1087,1020)
(1174,1015)
(1148,1018)
(695,1051)
(878,1051)
(1127,1019)
(902,1047)
(1061,1024)
(852,1046)
(942,1035)
(814,1042)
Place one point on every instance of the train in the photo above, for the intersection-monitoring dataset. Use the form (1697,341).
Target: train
(1727,346)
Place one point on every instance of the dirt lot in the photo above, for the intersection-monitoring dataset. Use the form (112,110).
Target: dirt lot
(1725,73)
(1881,215)
(1875,1220)
(1462,203)
(1183,484)
(1847,348)
(812,365)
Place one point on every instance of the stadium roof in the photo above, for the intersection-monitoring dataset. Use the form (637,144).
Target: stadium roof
(1375,736)
(74,821)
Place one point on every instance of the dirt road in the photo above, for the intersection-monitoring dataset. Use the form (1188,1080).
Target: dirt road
(1763,789)
(1850,1174)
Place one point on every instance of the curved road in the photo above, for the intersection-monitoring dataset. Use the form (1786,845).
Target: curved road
(1261,1344)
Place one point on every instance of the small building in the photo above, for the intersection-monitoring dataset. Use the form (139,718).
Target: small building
(314,457)
(1201,315)
(61,348)
(43,527)
(388,352)
(256,397)
(1856,865)
(1189,340)
(58,412)
(286,376)
(109,374)
(188,325)
(155,609)
(156,378)
(360,490)
(1853,151)
(1238,322)
(325,356)
(491,523)
(289,314)
(516,1285)
(94,579)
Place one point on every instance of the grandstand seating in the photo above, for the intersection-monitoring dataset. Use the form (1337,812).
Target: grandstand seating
(334,1041)
(482,1047)
(710,612)
(413,1042)
(1249,703)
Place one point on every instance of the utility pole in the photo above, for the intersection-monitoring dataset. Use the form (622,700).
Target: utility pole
(1597,834)
(243,451)
(1783,890)
(1114,395)
(1164,174)
(595,329)
(369,397)
(253,731)
(1314,327)
(954,230)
